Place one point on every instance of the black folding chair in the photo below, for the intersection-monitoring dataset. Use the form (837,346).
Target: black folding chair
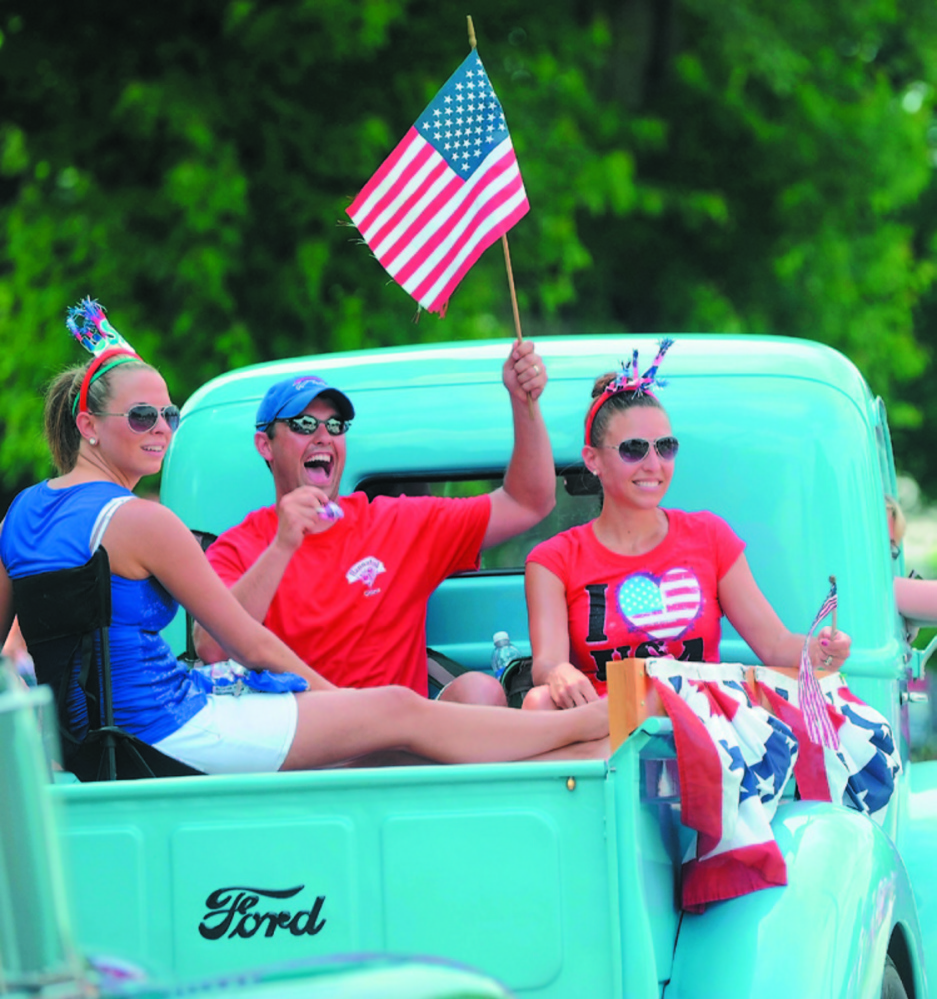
(64,616)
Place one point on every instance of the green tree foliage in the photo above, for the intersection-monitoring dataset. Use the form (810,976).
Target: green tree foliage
(692,165)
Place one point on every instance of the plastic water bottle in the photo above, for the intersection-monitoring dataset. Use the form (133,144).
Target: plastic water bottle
(503,653)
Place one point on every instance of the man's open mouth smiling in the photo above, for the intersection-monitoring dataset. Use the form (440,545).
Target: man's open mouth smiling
(320,464)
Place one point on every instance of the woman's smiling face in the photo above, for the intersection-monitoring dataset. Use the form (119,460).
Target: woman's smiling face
(129,454)
(640,484)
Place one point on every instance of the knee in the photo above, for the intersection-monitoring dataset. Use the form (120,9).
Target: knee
(391,701)
(538,699)
(402,699)
(475,687)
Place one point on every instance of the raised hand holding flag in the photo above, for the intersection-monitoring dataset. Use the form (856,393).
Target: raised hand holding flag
(446,193)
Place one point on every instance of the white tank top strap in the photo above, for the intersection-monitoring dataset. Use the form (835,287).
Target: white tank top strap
(104,518)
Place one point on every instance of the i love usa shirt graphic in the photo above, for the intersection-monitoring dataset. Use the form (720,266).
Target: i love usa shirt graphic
(663,607)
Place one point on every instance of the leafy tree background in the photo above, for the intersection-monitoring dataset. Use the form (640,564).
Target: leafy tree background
(692,165)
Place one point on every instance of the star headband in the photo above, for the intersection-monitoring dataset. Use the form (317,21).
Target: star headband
(88,324)
(629,380)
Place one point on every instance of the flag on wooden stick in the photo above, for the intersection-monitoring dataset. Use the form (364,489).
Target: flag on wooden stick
(810,696)
(446,193)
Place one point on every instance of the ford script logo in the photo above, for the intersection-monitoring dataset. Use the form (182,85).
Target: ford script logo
(232,911)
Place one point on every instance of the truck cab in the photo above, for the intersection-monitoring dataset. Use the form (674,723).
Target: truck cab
(561,878)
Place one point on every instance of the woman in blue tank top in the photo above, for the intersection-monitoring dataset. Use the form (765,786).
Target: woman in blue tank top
(108,424)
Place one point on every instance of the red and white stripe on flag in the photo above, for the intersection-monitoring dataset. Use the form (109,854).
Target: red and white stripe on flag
(446,193)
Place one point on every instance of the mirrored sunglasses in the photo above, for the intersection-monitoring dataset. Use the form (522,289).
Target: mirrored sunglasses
(144,417)
(636,448)
(307,425)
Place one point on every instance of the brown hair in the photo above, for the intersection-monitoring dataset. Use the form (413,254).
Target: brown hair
(61,432)
(617,402)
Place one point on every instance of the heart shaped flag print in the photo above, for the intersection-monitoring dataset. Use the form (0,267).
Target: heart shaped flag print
(661,607)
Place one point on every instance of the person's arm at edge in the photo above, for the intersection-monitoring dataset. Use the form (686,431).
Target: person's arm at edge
(917,600)
(6,604)
(529,490)
(7,616)
(758,624)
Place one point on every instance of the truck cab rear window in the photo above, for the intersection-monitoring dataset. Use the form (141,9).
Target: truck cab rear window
(577,502)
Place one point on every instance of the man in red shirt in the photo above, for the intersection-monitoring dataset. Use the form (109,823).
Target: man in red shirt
(349,592)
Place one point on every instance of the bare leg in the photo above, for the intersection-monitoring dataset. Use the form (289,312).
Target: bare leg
(341,725)
(475,687)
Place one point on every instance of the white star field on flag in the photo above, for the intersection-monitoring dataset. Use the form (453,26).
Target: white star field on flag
(464,121)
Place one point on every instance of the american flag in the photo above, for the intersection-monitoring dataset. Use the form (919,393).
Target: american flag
(662,608)
(809,695)
(446,193)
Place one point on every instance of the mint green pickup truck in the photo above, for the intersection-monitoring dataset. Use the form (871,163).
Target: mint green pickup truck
(558,880)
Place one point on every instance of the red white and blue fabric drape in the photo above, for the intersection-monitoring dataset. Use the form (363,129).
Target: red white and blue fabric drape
(735,760)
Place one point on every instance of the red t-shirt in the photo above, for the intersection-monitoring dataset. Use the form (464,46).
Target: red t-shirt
(662,603)
(352,601)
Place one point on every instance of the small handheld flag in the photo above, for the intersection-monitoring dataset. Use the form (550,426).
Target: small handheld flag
(446,193)
(809,695)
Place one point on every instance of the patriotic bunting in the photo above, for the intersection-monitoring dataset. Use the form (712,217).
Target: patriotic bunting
(734,760)
(862,770)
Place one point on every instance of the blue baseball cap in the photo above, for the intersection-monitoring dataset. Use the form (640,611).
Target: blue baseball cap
(290,397)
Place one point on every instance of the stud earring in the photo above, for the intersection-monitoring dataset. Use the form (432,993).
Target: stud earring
(92,441)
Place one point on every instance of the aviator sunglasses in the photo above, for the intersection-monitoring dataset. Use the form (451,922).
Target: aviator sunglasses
(307,425)
(636,448)
(144,417)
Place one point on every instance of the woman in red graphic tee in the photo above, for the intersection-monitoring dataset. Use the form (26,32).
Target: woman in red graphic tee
(640,580)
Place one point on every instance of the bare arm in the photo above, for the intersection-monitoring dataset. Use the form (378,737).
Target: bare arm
(549,639)
(759,625)
(529,490)
(298,515)
(6,605)
(917,600)
(145,539)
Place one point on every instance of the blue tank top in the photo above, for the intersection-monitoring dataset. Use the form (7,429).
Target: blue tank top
(47,529)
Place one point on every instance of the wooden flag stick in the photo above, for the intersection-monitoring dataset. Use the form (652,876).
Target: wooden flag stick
(833,622)
(517,315)
(473,42)
(507,264)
